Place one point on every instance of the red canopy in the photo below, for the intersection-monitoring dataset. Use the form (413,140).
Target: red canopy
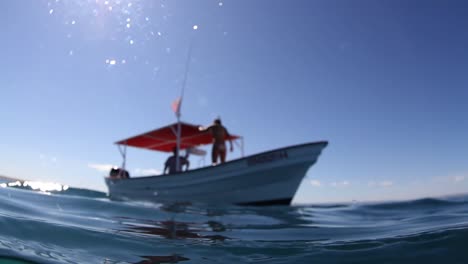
(164,138)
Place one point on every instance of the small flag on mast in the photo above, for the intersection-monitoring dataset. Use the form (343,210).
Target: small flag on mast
(176,106)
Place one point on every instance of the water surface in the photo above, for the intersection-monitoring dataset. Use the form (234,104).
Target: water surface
(82,226)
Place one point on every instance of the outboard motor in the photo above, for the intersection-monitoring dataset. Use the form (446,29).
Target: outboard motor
(119,173)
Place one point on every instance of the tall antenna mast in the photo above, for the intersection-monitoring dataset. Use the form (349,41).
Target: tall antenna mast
(179,101)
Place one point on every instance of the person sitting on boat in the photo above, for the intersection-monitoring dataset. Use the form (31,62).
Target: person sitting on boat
(119,173)
(219,134)
(171,163)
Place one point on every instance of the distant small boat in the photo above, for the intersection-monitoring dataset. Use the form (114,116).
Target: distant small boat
(268,178)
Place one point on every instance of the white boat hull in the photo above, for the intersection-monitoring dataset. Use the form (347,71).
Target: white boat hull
(267,178)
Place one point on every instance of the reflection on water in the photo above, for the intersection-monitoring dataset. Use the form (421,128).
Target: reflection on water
(178,230)
(161,259)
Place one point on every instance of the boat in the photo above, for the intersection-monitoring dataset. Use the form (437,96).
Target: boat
(267,178)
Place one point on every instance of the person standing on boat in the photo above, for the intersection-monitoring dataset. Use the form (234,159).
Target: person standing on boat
(171,163)
(219,134)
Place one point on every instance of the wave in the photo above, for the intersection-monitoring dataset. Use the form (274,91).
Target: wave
(83,226)
(420,203)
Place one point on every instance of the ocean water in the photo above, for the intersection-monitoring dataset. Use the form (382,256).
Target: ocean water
(82,226)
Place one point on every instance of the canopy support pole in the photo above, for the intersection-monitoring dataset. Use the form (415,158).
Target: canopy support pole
(241,145)
(123,153)
(178,143)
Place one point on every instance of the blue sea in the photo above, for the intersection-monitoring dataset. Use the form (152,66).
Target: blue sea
(83,226)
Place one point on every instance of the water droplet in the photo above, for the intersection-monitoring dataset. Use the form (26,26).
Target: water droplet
(73,22)
(112,62)
(147,18)
(131,42)
(128,20)
(129,4)
(110,8)
(106,2)
(159,33)
(51,11)
(220,4)
(195,27)
(107,61)
(168,50)
(128,25)
(124,61)
(70,53)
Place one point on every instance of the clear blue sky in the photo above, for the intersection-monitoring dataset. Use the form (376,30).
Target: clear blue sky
(385,82)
